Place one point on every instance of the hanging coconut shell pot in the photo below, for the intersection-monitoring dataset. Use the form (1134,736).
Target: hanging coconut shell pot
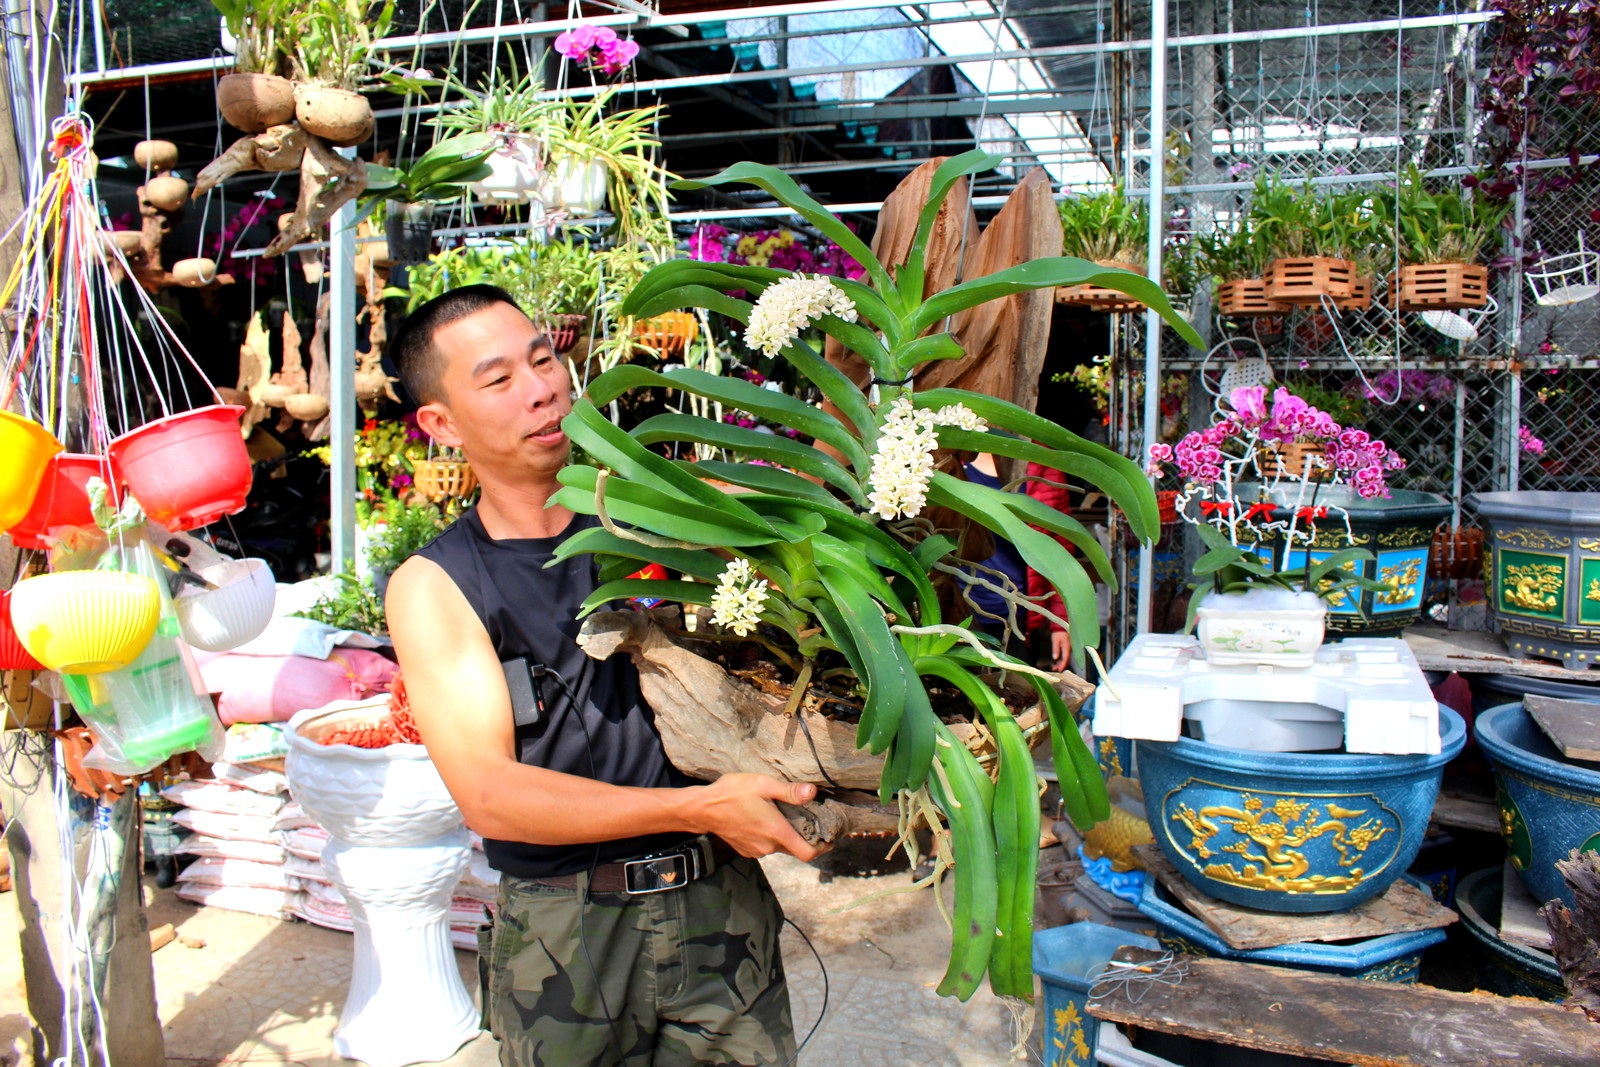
(156,157)
(255,102)
(166,193)
(195,273)
(338,116)
(666,335)
(443,479)
(307,407)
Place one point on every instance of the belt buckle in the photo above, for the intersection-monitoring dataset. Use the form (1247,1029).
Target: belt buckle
(661,872)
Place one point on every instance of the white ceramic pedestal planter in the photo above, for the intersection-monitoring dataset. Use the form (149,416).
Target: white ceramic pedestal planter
(398,848)
(1270,626)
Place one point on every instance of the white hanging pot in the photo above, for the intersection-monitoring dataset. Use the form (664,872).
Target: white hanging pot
(236,611)
(579,186)
(514,168)
(1264,625)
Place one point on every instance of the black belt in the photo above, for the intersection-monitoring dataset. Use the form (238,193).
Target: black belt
(658,872)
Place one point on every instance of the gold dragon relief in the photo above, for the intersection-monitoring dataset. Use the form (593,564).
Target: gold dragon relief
(1271,839)
(1533,586)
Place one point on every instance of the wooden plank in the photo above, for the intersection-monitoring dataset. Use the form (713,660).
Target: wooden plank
(1465,808)
(1345,1020)
(1520,920)
(1401,909)
(1573,726)
(1477,652)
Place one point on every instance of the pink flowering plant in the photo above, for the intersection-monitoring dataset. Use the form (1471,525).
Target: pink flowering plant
(1239,510)
(598,48)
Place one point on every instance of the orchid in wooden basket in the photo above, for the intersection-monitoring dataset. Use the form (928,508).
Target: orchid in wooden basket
(828,558)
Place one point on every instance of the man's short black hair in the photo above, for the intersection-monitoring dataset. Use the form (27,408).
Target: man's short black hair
(413,350)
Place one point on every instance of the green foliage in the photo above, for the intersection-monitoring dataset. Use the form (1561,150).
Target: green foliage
(558,278)
(256,26)
(1346,409)
(407,529)
(1229,568)
(441,173)
(1451,226)
(842,584)
(504,102)
(331,40)
(356,606)
(1105,227)
(1231,253)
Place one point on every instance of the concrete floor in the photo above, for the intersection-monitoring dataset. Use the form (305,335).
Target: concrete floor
(267,992)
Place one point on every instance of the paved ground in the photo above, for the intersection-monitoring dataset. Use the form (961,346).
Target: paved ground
(268,992)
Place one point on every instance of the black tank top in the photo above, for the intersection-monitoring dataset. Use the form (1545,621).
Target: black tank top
(531,611)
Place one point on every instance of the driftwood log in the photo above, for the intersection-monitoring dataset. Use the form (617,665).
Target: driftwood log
(713,723)
(1575,932)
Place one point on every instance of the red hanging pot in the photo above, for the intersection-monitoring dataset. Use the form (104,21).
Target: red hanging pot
(187,469)
(63,497)
(13,656)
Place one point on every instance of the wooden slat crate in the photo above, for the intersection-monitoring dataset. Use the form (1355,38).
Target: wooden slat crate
(1360,298)
(1308,280)
(1246,296)
(1442,285)
(1093,296)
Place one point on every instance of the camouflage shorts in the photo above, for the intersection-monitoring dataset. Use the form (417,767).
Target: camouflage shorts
(688,976)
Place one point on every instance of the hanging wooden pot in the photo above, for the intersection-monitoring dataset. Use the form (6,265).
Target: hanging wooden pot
(666,335)
(1246,296)
(187,469)
(255,102)
(1441,286)
(1307,279)
(1098,298)
(167,193)
(338,116)
(443,479)
(25,451)
(156,157)
(86,622)
(564,331)
(1360,298)
(1289,461)
(63,497)
(196,273)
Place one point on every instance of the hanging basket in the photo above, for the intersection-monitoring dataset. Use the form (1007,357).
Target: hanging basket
(63,497)
(236,611)
(1440,286)
(564,331)
(666,335)
(187,469)
(86,622)
(25,451)
(713,723)
(1098,298)
(1289,461)
(408,229)
(1246,296)
(1566,279)
(1457,553)
(14,655)
(1307,280)
(443,479)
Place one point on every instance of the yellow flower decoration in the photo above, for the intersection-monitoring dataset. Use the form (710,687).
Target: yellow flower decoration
(759,259)
(785,238)
(746,245)
(1080,1047)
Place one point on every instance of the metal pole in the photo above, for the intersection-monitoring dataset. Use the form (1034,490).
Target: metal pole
(1152,321)
(342,385)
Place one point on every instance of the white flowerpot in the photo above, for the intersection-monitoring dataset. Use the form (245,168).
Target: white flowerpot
(1264,625)
(515,172)
(577,185)
(235,612)
(398,849)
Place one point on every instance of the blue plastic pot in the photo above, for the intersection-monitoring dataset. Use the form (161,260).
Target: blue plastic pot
(1549,805)
(1068,959)
(1291,831)
(1504,967)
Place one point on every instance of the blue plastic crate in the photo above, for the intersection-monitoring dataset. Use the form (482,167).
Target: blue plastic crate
(1067,959)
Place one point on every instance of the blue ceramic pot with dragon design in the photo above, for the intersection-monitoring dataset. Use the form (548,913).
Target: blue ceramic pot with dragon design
(1291,831)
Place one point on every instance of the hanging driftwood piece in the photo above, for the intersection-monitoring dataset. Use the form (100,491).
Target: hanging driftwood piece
(713,723)
(255,370)
(280,148)
(328,181)
(311,407)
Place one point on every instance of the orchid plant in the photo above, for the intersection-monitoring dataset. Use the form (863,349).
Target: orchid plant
(1238,511)
(829,559)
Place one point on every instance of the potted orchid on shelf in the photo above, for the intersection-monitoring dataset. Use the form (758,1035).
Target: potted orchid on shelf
(1280,549)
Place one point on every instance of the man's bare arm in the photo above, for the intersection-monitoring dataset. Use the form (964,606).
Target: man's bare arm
(458,697)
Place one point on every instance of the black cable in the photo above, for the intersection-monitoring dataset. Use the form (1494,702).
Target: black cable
(821,1015)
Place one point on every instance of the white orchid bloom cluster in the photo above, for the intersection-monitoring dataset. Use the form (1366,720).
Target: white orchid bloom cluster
(903,463)
(739,598)
(789,306)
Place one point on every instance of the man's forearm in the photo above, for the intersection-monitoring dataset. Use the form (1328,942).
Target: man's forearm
(543,807)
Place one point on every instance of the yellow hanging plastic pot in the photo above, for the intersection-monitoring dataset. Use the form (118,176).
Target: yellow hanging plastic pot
(85,622)
(25,449)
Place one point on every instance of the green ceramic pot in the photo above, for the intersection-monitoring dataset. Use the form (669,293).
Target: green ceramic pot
(1397,529)
(1544,591)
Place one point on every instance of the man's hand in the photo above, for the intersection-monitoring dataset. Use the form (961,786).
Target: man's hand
(742,810)
(1060,649)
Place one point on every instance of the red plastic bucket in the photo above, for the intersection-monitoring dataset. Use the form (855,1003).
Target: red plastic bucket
(63,499)
(187,469)
(13,657)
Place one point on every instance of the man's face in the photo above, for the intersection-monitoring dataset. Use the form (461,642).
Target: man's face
(504,395)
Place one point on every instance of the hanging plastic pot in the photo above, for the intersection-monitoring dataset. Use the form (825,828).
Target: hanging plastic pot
(25,451)
(14,656)
(63,497)
(409,231)
(564,330)
(236,611)
(514,171)
(85,622)
(666,335)
(578,185)
(187,469)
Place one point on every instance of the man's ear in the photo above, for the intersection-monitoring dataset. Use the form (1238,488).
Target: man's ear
(434,420)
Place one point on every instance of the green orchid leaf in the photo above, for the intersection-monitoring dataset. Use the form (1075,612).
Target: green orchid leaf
(627,588)
(908,357)
(933,549)
(913,273)
(650,510)
(1336,562)
(764,479)
(701,564)
(881,655)
(774,448)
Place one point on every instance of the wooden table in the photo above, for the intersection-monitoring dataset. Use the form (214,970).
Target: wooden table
(1477,652)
